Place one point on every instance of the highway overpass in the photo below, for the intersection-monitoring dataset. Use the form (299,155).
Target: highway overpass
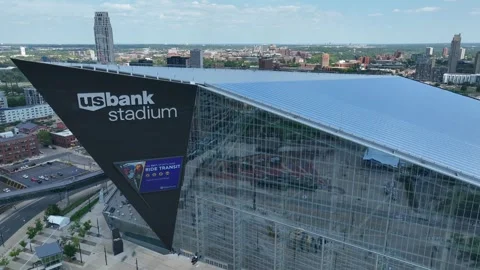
(59,187)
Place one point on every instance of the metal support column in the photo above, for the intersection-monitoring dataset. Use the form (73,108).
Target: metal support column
(198,227)
(279,252)
(237,240)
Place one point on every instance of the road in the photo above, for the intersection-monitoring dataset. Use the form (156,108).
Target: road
(16,220)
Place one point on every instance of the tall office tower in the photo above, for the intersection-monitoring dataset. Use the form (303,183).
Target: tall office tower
(424,68)
(429,51)
(196,58)
(22,51)
(325,60)
(454,56)
(32,97)
(445,52)
(477,64)
(103,38)
(462,53)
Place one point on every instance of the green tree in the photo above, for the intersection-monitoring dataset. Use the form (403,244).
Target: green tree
(69,249)
(478,88)
(75,241)
(31,232)
(74,227)
(52,210)
(87,225)
(38,225)
(23,244)
(16,101)
(463,88)
(82,232)
(4,261)
(437,85)
(44,137)
(14,252)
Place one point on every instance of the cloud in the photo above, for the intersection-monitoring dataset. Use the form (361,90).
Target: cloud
(114,6)
(418,10)
(375,14)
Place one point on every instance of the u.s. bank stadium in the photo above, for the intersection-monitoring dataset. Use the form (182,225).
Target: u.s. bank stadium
(283,170)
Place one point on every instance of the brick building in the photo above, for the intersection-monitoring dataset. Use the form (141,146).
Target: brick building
(17,147)
(64,139)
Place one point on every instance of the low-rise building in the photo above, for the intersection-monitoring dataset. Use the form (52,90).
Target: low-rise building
(17,147)
(456,78)
(23,113)
(50,255)
(64,139)
(29,128)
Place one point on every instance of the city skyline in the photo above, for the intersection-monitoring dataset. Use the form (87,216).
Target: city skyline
(228,22)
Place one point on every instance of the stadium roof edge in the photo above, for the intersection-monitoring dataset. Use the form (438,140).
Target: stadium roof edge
(457,160)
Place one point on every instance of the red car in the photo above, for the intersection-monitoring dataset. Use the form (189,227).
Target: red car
(33,179)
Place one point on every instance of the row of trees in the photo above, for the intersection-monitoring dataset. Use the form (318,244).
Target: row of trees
(71,245)
(31,233)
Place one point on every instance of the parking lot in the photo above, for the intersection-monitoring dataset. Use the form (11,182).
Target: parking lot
(3,186)
(56,171)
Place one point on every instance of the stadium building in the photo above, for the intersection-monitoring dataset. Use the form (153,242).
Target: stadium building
(277,170)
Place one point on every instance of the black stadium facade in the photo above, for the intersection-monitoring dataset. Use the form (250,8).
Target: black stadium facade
(149,120)
(272,170)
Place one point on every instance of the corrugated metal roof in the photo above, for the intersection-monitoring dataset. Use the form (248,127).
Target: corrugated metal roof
(418,120)
(48,250)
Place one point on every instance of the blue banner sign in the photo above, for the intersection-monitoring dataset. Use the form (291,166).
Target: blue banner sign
(161,174)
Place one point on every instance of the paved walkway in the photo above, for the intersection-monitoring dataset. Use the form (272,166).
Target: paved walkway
(93,246)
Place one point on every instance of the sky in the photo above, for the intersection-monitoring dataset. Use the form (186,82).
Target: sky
(242,21)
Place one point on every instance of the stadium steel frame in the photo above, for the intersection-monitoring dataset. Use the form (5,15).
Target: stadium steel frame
(470,179)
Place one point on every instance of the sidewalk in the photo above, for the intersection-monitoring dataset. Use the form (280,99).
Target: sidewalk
(94,257)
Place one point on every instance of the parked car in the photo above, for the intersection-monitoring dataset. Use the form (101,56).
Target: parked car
(49,163)
(39,181)
(33,179)
(25,176)
(60,174)
(6,190)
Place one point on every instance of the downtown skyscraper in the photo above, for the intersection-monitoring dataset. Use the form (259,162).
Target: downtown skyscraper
(103,38)
(455,51)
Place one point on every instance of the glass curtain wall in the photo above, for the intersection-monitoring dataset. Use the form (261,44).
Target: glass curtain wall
(264,192)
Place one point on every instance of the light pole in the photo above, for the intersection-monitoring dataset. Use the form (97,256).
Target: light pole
(80,251)
(105,251)
(3,242)
(98,229)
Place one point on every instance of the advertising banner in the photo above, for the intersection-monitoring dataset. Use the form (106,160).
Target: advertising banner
(161,174)
(152,175)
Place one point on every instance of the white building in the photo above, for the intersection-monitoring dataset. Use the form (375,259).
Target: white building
(461,78)
(22,51)
(196,58)
(429,51)
(10,115)
(103,38)
(462,53)
(91,53)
